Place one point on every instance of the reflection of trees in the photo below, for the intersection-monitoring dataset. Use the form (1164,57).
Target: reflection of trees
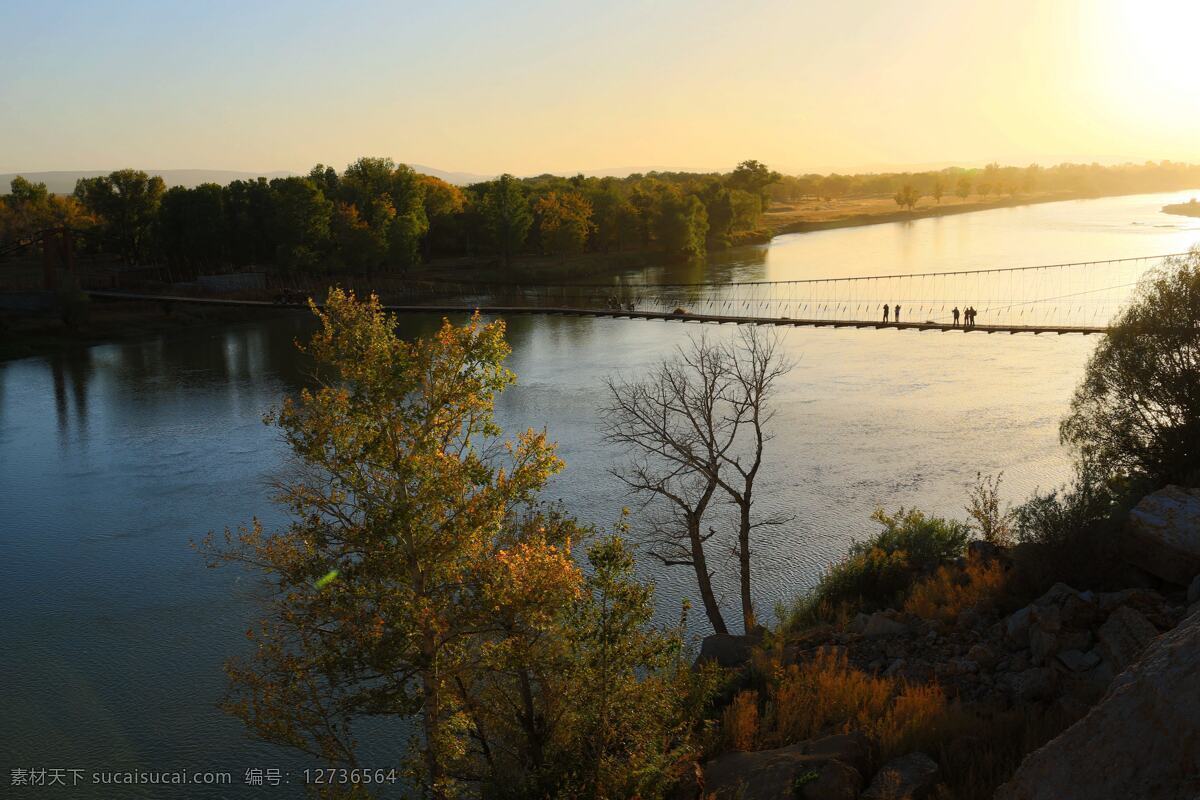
(69,375)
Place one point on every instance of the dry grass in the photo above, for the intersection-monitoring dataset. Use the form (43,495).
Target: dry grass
(952,590)
(740,721)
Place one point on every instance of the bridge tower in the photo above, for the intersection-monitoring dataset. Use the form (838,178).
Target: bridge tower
(58,252)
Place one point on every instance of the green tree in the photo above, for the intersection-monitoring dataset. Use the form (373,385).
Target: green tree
(756,178)
(681,224)
(192,224)
(963,187)
(938,189)
(506,216)
(907,196)
(126,202)
(1136,415)
(300,222)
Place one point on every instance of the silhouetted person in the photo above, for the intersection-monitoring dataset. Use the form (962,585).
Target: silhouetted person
(955,313)
(896,316)
(970,317)
(886,307)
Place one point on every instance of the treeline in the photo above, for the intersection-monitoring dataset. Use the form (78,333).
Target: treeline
(992,180)
(379,215)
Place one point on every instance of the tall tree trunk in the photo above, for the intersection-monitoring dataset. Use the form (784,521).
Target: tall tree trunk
(749,623)
(703,579)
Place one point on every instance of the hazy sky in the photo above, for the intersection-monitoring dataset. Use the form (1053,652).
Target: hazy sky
(527,87)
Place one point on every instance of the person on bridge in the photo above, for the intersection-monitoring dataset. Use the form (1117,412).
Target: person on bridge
(970,317)
(955,313)
(896,315)
(886,308)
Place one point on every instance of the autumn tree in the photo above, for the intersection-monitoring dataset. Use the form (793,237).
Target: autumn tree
(564,222)
(938,189)
(419,578)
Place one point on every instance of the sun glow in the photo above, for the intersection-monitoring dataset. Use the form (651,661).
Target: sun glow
(1145,61)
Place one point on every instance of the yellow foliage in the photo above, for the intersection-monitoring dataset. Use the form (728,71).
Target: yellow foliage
(951,590)
(825,695)
(741,721)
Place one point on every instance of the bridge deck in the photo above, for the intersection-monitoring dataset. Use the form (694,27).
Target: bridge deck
(622,314)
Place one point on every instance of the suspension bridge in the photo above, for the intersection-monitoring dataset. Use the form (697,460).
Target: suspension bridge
(1079,297)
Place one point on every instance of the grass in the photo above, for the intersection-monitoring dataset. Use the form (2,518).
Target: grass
(952,590)
(977,747)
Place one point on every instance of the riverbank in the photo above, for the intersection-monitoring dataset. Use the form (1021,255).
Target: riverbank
(818,215)
(1188,209)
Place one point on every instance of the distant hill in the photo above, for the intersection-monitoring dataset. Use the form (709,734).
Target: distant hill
(63,181)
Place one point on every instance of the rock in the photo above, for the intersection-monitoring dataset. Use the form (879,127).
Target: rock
(1123,636)
(1042,645)
(1141,740)
(835,780)
(784,773)
(1036,683)
(908,777)
(982,655)
(882,625)
(1016,627)
(849,748)
(1163,534)
(859,622)
(726,649)
(1056,595)
(1193,595)
(1077,661)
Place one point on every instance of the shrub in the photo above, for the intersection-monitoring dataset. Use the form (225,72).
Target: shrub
(878,571)
(952,590)
(823,695)
(1068,534)
(1136,415)
(995,524)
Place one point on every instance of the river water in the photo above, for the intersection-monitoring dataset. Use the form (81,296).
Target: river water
(114,458)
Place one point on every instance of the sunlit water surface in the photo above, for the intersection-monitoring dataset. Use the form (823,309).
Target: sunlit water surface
(113,459)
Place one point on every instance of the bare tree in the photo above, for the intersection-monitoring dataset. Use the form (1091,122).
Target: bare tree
(696,425)
(754,364)
(669,420)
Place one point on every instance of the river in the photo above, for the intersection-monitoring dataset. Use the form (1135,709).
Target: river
(114,458)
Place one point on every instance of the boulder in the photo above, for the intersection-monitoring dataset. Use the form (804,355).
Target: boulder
(1163,534)
(1016,626)
(787,772)
(1141,740)
(1037,683)
(880,624)
(908,777)
(1193,595)
(849,748)
(1078,661)
(726,649)
(1123,637)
